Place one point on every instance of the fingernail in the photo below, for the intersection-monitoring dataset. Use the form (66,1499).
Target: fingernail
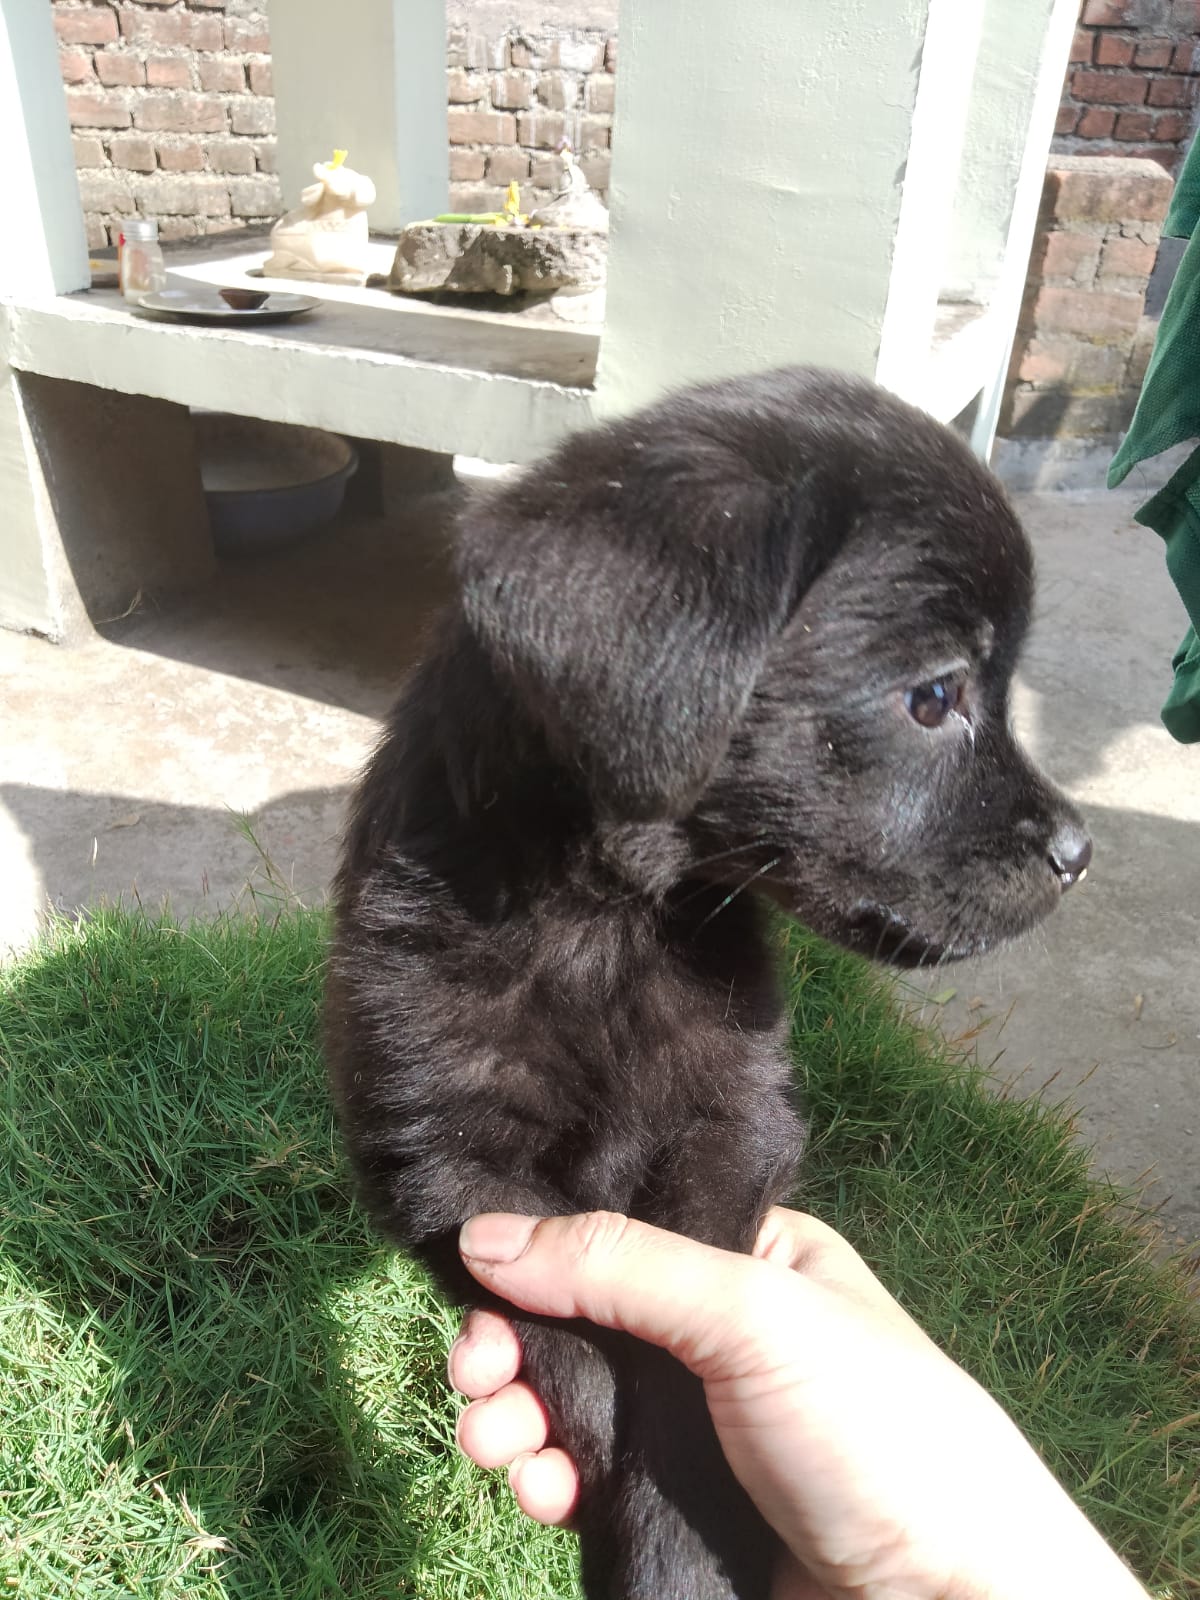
(496,1236)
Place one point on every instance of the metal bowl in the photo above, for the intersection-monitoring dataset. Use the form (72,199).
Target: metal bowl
(268,484)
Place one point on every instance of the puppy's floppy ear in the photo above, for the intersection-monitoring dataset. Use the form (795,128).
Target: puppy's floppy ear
(628,591)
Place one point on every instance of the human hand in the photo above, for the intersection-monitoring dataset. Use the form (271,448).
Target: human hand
(887,1472)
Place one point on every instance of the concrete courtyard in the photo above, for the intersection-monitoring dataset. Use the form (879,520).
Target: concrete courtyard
(128,762)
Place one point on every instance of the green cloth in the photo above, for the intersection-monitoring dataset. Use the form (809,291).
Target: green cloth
(1168,412)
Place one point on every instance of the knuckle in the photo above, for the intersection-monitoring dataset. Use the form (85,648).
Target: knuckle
(598,1233)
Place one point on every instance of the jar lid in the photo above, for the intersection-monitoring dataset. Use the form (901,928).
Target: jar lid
(140,230)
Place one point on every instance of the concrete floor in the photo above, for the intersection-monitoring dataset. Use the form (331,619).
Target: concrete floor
(128,761)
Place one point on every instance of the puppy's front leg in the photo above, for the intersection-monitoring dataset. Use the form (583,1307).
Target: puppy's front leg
(685,1528)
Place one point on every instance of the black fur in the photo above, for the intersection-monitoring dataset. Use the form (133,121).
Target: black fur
(677,670)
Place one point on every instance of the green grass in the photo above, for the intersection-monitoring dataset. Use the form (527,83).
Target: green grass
(215,1384)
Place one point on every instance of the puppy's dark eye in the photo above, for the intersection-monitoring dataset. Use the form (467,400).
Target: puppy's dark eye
(931,703)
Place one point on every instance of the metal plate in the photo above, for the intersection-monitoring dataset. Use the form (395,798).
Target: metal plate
(200,304)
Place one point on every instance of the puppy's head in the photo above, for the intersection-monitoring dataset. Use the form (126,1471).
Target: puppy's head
(780,615)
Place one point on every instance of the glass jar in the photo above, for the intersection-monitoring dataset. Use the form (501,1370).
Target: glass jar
(140,267)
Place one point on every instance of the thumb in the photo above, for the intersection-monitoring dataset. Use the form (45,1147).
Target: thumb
(685,1297)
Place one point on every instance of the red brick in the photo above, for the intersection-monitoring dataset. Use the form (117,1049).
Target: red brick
(107,191)
(558,91)
(186,156)
(484,54)
(577,54)
(85,24)
(597,169)
(91,108)
(113,68)
(261,81)
(1109,13)
(1134,125)
(252,115)
(180,113)
(255,197)
(1089,191)
(264,154)
(1152,53)
(595,133)
(249,34)
(1171,127)
(512,91)
(503,166)
(178,227)
(222,77)
(599,92)
(1184,59)
(475,197)
(541,129)
(467,166)
(1172,92)
(1060,413)
(132,153)
(1127,258)
(1096,123)
(232,155)
(97,234)
(75,66)
(89,152)
(168,28)
(1086,312)
(1114,50)
(546,172)
(482,127)
(1072,361)
(1066,119)
(1070,255)
(1185,15)
(465,88)
(1109,88)
(168,72)
(1081,47)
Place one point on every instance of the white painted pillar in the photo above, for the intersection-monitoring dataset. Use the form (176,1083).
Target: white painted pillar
(1018,89)
(794,184)
(923,231)
(43,252)
(758,168)
(43,248)
(369,77)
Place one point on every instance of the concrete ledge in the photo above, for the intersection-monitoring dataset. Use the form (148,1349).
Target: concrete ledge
(442,384)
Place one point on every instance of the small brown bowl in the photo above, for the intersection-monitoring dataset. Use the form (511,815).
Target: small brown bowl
(244,299)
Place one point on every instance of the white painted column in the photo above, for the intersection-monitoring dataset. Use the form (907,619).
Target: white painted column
(369,77)
(43,248)
(758,168)
(43,252)
(1018,89)
(923,231)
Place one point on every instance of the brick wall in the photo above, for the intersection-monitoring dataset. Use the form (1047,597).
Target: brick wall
(1082,341)
(172,114)
(514,94)
(1132,84)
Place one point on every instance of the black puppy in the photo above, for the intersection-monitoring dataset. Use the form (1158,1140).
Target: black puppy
(757,638)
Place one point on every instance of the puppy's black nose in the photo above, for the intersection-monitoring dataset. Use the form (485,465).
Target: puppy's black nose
(1070,850)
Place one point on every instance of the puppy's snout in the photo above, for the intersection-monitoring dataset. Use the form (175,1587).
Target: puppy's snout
(1069,850)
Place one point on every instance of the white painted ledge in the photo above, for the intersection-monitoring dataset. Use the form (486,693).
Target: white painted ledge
(444,382)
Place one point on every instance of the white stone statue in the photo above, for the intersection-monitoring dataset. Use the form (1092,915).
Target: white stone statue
(325,238)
